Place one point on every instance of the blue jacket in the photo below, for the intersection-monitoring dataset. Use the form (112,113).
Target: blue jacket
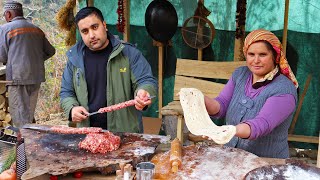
(127,72)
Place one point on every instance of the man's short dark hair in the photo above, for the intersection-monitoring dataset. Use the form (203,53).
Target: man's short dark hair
(87,11)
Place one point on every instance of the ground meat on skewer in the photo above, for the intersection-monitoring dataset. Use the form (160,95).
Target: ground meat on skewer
(71,130)
(117,106)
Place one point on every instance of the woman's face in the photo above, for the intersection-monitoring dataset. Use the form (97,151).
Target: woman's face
(260,60)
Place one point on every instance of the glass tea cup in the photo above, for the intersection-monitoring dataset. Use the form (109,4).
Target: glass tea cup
(145,171)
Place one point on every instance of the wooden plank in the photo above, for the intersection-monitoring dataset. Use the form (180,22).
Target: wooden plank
(207,69)
(180,126)
(210,89)
(301,138)
(173,108)
(318,158)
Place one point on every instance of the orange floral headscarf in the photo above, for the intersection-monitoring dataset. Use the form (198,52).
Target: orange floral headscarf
(264,35)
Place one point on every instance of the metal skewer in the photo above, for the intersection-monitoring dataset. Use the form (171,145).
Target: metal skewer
(97,112)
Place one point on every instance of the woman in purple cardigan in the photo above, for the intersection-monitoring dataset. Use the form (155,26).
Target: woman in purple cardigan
(260,98)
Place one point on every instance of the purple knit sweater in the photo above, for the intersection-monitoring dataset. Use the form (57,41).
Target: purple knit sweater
(274,111)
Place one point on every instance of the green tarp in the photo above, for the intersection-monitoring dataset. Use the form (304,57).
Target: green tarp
(303,44)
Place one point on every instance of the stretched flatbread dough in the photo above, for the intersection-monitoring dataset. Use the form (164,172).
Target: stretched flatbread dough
(197,118)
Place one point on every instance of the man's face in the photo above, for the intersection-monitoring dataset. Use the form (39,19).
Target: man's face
(93,32)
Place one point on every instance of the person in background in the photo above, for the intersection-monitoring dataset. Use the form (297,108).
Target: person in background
(260,98)
(23,48)
(103,71)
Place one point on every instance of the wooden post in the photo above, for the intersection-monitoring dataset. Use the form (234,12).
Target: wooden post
(160,78)
(200,52)
(160,74)
(90,3)
(285,27)
(180,126)
(296,115)
(240,30)
(126,13)
(200,38)
(318,158)
(75,10)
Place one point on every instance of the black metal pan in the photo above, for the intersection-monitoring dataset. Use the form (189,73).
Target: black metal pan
(161,20)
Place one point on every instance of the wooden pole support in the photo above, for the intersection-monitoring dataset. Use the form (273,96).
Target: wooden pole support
(180,126)
(240,30)
(296,115)
(126,13)
(90,3)
(160,78)
(285,27)
(160,74)
(200,53)
(318,158)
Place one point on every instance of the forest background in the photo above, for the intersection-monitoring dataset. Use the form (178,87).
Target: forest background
(43,14)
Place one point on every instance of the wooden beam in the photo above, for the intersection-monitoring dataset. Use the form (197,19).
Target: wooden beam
(126,13)
(90,3)
(160,79)
(301,98)
(301,138)
(172,109)
(318,158)
(240,30)
(285,27)
(200,54)
(210,89)
(180,126)
(207,69)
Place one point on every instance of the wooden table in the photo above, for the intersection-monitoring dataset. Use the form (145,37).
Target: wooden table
(161,148)
(98,176)
(92,176)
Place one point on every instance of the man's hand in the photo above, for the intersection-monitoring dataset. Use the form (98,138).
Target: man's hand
(78,114)
(142,99)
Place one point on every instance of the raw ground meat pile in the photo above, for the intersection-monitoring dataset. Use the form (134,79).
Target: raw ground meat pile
(96,141)
(100,142)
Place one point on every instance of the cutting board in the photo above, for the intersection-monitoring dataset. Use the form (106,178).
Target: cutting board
(58,154)
(208,163)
